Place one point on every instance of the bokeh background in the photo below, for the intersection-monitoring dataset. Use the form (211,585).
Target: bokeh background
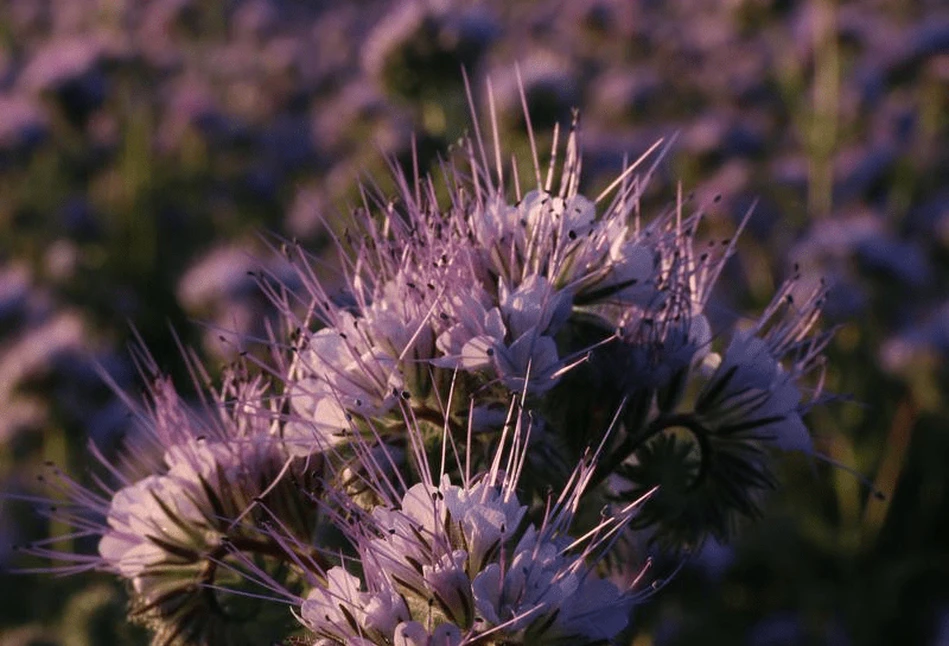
(147,149)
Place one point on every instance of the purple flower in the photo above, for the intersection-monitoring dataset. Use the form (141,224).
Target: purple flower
(447,563)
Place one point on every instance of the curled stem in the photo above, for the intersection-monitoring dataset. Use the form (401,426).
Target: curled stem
(660,424)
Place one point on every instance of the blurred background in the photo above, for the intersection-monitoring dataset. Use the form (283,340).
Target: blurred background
(146,147)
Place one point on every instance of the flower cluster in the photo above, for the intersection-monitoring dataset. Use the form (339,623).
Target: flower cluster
(453,564)
(188,501)
(390,469)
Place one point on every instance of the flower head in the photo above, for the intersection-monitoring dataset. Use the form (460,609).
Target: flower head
(485,348)
(456,563)
(176,534)
(708,445)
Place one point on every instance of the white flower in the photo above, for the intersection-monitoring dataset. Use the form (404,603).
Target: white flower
(360,376)
(161,529)
(559,238)
(472,341)
(447,580)
(326,606)
(151,524)
(631,274)
(487,517)
(495,226)
(341,374)
(655,351)
(412,633)
(532,360)
(319,420)
(513,338)
(542,595)
(329,610)
(751,389)
(533,306)
(199,459)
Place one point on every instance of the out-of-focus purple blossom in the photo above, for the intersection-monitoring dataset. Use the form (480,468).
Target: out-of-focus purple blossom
(928,37)
(549,84)
(847,299)
(62,62)
(866,238)
(71,70)
(29,355)
(858,170)
(941,633)
(927,338)
(224,285)
(222,273)
(430,37)
(110,422)
(714,559)
(778,630)
(931,218)
(14,292)
(351,107)
(904,260)
(255,20)
(714,135)
(287,144)
(156,31)
(22,125)
(627,93)
(308,211)
(840,236)
(79,219)
(191,103)
(60,260)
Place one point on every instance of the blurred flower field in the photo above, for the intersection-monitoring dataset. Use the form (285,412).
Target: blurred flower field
(152,155)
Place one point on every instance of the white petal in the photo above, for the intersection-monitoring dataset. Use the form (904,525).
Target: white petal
(410,633)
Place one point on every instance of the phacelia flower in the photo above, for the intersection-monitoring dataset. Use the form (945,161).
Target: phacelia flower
(462,563)
(524,342)
(176,534)
(709,452)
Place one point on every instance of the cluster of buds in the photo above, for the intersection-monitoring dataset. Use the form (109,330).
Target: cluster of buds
(456,564)
(390,473)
